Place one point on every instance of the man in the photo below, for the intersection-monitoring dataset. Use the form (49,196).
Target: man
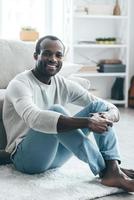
(42,135)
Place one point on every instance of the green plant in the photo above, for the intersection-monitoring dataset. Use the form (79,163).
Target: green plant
(112,39)
(28,28)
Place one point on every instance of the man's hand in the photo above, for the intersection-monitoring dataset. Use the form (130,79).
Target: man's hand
(99,123)
(94,122)
(104,115)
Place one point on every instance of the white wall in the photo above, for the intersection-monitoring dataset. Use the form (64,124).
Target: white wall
(49,29)
(131,71)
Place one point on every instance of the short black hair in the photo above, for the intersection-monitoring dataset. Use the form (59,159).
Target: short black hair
(51,37)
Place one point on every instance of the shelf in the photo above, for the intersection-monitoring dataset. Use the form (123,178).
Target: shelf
(87,74)
(84,28)
(119,102)
(80,16)
(99,45)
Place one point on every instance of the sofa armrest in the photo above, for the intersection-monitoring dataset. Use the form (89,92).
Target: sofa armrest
(3,139)
(69,68)
(82,81)
(2,95)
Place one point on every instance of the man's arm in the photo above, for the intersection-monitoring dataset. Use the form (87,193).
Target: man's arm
(94,123)
(80,96)
(112,113)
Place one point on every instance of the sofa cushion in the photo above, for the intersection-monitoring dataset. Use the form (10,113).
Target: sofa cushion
(2,95)
(69,68)
(15,57)
(82,81)
(3,139)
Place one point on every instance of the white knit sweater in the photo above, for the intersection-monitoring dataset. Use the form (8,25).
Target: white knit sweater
(27,104)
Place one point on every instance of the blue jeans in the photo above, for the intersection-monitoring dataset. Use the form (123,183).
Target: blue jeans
(39,152)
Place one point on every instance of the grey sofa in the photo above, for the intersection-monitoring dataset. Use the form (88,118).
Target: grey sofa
(17,56)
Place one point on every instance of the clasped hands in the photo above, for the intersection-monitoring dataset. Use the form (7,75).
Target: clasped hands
(99,122)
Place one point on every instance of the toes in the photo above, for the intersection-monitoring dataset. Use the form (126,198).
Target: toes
(128,172)
(126,185)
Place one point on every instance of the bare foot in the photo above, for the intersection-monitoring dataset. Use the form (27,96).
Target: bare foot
(128,172)
(113,176)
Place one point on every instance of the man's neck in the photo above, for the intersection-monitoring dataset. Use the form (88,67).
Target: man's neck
(43,79)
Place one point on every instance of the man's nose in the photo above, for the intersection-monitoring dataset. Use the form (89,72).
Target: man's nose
(53,57)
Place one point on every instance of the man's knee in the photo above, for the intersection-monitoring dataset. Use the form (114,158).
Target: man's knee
(60,109)
(98,106)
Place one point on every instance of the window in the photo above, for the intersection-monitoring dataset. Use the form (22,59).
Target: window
(47,16)
(57,15)
(17,13)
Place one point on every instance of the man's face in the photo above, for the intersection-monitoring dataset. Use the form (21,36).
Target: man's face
(49,62)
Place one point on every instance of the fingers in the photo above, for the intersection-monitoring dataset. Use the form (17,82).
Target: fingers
(102,129)
(109,123)
(99,124)
(104,120)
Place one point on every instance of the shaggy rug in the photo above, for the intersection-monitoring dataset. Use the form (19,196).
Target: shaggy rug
(73,181)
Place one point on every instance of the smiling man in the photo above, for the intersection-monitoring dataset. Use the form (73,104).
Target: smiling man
(45,66)
(41,134)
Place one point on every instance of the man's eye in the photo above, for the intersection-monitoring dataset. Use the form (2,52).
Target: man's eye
(59,55)
(46,53)
(50,53)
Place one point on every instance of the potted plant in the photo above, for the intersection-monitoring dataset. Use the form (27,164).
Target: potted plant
(108,40)
(28,34)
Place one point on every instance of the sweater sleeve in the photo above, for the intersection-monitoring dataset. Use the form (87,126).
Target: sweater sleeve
(80,96)
(41,120)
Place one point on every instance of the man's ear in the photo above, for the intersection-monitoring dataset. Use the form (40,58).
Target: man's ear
(35,56)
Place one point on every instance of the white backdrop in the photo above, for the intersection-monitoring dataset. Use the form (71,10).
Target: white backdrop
(131,72)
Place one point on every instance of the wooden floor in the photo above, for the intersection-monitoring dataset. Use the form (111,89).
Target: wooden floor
(125,132)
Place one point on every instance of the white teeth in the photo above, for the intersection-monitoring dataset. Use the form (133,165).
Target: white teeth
(52,66)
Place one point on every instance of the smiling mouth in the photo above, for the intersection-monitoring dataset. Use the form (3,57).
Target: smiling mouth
(51,67)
